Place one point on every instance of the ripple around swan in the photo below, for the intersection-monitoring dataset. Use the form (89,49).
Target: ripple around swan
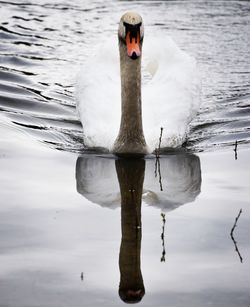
(43,44)
(49,116)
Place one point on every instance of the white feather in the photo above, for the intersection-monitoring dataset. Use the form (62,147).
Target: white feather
(170,94)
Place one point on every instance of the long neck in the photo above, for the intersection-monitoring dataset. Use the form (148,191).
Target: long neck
(131,138)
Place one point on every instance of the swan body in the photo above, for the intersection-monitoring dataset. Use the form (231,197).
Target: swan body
(165,93)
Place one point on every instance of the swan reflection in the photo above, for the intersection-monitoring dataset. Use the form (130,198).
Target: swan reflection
(180,178)
(130,173)
(125,182)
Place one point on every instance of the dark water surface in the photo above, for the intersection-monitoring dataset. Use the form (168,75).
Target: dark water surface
(79,229)
(43,43)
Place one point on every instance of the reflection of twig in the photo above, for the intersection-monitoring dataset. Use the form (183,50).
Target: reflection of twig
(156,165)
(235,150)
(81,276)
(232,237)
(163,238)
(159,172)
(157,160)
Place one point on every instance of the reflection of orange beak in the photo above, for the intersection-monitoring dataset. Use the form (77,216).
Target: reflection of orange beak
(133,46)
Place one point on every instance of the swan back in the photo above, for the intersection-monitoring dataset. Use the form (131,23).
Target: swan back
(171,96)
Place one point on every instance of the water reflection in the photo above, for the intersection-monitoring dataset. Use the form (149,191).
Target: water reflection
(130,173)
(96,179)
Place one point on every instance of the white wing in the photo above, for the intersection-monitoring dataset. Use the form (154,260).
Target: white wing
(171,97)
(99,96)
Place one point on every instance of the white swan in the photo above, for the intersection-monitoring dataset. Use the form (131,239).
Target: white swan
(170,92)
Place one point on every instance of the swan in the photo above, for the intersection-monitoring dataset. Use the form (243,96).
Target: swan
(163,90)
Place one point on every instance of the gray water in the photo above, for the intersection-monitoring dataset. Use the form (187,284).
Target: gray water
(78,229)
(44,43)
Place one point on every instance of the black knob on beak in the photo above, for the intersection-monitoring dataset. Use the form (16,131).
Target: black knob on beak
(134,56)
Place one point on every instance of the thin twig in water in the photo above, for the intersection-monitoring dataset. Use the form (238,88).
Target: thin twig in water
(232,236)
(157,160)
(157,150)
(156,166)
(163,237)
(235,150)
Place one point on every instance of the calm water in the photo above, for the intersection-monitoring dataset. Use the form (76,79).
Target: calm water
(84,230)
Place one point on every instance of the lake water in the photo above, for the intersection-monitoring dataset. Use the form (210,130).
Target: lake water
(69,235)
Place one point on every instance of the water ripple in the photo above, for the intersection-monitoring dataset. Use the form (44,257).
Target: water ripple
(43,44)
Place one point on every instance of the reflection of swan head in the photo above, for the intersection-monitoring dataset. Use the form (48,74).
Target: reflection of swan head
(131,296)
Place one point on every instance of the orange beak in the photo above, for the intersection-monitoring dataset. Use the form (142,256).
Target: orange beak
(133,46)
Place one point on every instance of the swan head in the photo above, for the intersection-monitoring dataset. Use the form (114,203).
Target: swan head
(131,33)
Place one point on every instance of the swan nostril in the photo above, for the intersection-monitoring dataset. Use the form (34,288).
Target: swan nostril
(134,56)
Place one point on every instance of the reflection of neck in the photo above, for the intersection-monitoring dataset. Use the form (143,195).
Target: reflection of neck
(131,137)
(130,174)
